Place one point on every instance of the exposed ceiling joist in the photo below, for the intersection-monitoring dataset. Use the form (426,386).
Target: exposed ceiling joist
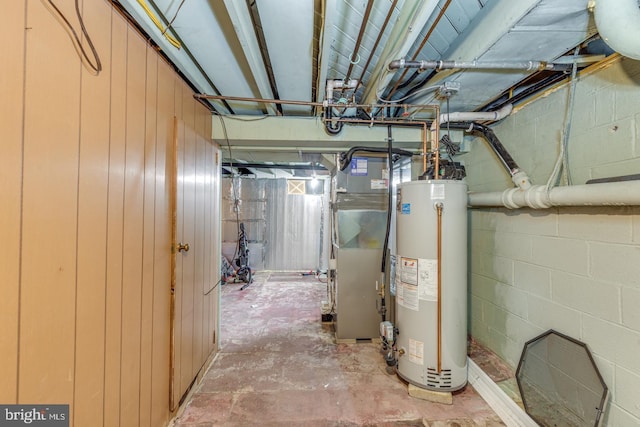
(243,25)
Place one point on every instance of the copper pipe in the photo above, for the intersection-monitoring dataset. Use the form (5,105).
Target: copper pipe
(439,208)
(269,101)
(354,55)
(375,45)
(424,41)
(436,145)
(435,108)
(310,103)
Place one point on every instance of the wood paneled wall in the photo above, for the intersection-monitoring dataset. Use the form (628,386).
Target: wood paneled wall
(85,220)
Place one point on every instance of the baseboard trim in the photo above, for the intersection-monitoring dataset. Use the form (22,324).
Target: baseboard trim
(508,410)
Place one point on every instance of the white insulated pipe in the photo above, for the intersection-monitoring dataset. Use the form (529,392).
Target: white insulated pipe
(471,116)
(618,23)
(625,193)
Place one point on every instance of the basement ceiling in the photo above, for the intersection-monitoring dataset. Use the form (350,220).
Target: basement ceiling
(288,49)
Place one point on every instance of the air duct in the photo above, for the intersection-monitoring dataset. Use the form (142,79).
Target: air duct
(618,24)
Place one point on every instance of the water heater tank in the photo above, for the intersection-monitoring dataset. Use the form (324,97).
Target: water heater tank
(431,284)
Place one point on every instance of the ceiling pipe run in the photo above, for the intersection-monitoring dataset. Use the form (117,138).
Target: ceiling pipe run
(375,45)
(480,65)
(625,193)
(618,23)
(417,52)
(414,15)
(354,56)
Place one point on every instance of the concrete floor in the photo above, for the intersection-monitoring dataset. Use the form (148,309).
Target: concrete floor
(280,366)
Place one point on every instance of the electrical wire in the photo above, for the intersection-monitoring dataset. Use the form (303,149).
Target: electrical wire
(234,193)
(426,89)
(213,287)
(562,162)
(175,43)
(174,17)
(93,67)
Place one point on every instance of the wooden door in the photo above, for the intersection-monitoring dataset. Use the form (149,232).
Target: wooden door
(195,253)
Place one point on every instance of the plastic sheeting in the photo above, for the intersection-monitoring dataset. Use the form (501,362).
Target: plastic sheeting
(285,231)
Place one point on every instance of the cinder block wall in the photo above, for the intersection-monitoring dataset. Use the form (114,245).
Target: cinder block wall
(575,270)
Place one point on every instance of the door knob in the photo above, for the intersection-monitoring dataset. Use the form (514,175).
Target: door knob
(183,247)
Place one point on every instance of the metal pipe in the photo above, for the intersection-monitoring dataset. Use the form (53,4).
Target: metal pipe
(266,101)
(311,167)
(425,130)
(354,55)
(436,148)
(375,45)
(318,104)
(417,52)
(480,65)
(439,207)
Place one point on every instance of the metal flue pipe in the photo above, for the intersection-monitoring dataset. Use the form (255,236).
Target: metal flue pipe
(480,65)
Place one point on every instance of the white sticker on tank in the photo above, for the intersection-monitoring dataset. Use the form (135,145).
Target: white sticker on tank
(428,279)
(437,192)
(416,351)
(407,286)
(409,270)
(408,295)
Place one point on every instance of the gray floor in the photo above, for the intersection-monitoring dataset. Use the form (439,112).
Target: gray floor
(279,365)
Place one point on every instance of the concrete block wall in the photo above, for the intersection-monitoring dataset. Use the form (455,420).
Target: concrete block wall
(575,270)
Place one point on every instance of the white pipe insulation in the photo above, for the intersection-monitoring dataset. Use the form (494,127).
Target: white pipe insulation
(625,193)
(618,23)
(475,115)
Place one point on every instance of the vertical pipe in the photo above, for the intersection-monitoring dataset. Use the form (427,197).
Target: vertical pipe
(424,147)
(436,147)
(439,207)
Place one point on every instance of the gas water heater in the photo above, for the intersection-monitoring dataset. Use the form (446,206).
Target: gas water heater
(431,284)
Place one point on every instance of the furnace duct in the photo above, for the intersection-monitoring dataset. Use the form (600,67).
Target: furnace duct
(618,23)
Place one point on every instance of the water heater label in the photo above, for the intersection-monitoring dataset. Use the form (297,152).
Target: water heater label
(407,286)
(437,192)
(409,270)
(406,208)
(428,279)
(416,351)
